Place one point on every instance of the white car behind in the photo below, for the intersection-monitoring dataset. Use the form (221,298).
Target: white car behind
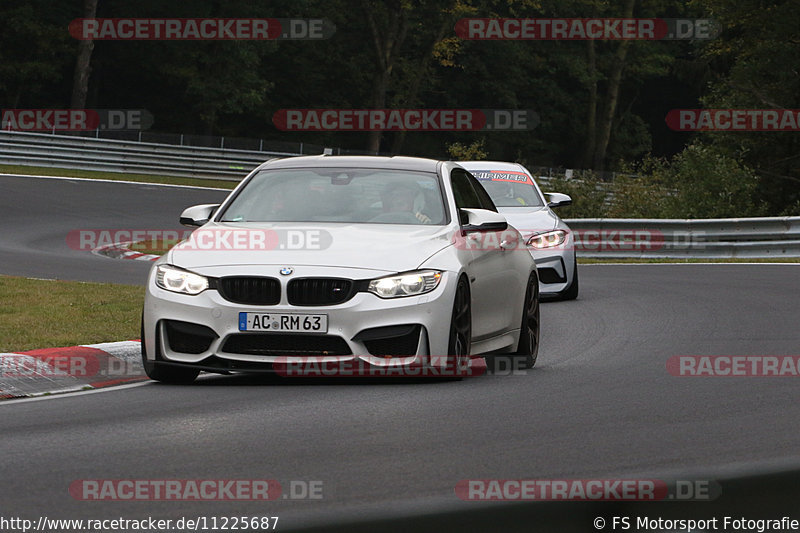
(550,241)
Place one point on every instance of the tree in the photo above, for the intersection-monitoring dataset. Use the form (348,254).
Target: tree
(388,24)
(756,66)
(36,52)
(612,95)
(80,83)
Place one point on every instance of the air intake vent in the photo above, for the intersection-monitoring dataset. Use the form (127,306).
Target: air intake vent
(285,345)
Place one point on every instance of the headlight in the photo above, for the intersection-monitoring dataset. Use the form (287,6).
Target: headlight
(410,284)
(548,239)
(177,280)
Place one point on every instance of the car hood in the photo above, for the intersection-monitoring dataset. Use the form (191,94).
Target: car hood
(529,220)
(386,247)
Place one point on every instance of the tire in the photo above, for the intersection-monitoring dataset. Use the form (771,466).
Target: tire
(166,374)
(460,338)
(528,346)
(571,292)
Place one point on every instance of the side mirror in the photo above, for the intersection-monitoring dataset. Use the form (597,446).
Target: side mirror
(482,220)
(556,199)
(198,215)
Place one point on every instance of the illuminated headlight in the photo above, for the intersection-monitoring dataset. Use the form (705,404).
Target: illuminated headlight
(549,239)
(410,284)
(177,280)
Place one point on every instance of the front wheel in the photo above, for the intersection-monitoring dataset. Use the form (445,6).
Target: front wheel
(571,292)
(528,346)
(460,341)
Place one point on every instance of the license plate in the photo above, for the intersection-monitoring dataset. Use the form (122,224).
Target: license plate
(283,322)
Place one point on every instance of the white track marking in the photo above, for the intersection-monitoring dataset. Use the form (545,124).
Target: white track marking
(114,181)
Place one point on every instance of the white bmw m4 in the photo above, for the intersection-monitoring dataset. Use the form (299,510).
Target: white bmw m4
(375,260)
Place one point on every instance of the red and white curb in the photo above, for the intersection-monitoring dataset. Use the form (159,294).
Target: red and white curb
(70,369)
(121,250)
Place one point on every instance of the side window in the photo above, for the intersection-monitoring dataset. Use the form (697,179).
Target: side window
(463,191)
(483,196)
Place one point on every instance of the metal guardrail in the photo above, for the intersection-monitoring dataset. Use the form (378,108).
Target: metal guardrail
(83,153)
(769,237)
(601,238)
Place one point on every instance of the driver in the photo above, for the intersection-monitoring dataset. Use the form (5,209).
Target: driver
(401,197)
(510,194)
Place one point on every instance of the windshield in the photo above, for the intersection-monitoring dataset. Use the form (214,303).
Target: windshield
(509,188)
(376,196)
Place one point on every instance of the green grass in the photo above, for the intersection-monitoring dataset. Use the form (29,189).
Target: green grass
(634,260)
(49,314)
(155,247)
(144,178)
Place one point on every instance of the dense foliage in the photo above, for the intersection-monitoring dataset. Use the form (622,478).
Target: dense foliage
(602,104)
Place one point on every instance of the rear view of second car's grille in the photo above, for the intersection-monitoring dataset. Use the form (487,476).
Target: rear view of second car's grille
(319,291)
(250,290)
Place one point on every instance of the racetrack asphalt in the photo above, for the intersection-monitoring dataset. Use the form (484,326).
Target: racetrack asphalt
(40,213)
(600,402)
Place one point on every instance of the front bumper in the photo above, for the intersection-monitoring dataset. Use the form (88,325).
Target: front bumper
(203,330)
(556,266)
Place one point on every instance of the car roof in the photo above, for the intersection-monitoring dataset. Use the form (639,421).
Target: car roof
(492,165)
(357,161)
